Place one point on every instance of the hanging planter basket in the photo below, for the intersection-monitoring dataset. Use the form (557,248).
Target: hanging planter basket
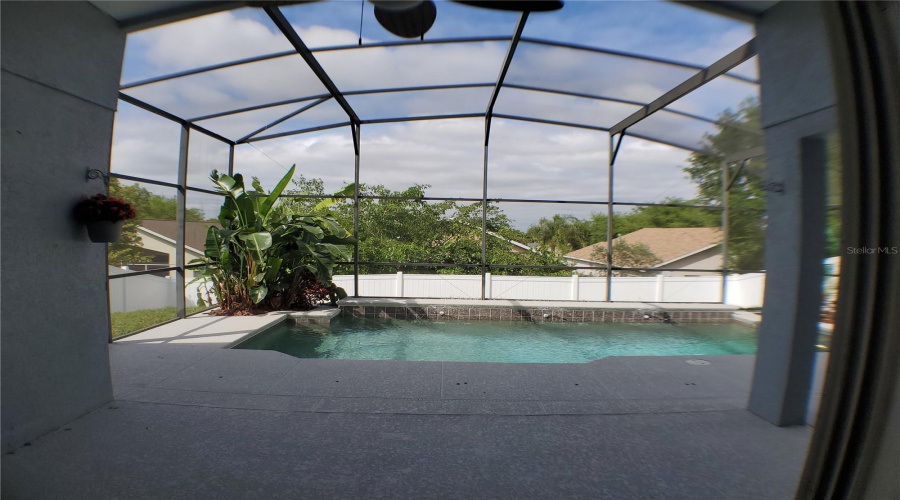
(104,217)
(104,231)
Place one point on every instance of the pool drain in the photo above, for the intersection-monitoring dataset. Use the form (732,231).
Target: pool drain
(699,362)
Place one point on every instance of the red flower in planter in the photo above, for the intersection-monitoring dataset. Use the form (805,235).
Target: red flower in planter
(103,208)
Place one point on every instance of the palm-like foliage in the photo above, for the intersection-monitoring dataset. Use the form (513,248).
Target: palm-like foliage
(267,259)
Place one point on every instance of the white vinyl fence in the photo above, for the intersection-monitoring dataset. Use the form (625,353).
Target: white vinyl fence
(137,293)
(744,290)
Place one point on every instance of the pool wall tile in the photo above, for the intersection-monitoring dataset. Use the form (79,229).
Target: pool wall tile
(538,315)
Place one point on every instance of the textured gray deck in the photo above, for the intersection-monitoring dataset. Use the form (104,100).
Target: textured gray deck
(211,376)
(142,450)
(199,421)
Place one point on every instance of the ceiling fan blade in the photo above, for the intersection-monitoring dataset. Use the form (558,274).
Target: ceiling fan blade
(515,6)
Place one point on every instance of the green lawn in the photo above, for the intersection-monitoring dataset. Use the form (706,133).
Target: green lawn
(126,322)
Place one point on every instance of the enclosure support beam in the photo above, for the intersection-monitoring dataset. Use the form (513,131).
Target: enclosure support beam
(181,205)
(285,26)
(231,160)
(169,116)
(702,77)
(630,55)
(425,88)
(510,53)
(614,146)
(726,184)
(282,119)
(484,184)
(356,129)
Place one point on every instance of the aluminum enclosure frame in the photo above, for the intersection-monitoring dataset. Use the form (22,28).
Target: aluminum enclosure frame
(616,134)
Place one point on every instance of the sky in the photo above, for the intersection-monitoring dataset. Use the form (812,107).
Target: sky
(526,160)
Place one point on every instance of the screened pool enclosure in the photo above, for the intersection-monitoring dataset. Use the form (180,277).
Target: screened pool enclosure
(492,125)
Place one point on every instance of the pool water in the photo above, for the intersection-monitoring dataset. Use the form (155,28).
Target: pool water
(501,342)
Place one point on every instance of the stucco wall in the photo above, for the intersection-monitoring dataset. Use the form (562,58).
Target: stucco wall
(60,71)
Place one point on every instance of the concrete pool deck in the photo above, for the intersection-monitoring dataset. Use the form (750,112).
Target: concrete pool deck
(187,362)
(191,419)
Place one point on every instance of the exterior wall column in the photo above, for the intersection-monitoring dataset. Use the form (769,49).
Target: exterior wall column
(798,111)
(61,63)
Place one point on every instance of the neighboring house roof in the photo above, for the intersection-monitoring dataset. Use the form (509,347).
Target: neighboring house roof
(667,243)
(194,232)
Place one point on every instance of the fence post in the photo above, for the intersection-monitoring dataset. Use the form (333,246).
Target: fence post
(726,292)
(660,287)
(575,285)
(488,289)
(399,292)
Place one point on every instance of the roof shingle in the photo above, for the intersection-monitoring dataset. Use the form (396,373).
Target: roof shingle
(667,243)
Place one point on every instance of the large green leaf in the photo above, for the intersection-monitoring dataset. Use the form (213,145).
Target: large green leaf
(331,227)
(247,211)
(273,265)
(228,212)
(348,190)
(267,204)
(231,186)
(337,251)
(257,243)
(214,244)
(311,234)
(258,293)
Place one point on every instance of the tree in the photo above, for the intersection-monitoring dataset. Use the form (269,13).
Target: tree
(626,254)
(737,131)
(653,216)
(402,227)
(560,234)
(150,205)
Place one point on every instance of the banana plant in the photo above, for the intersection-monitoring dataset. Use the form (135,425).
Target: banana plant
(260,256)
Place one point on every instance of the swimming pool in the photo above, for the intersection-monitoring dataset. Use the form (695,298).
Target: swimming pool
(501,342)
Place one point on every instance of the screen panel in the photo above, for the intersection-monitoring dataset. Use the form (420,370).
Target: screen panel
(556,107)
(204,155)
(326,24)
(414,65)
(445,155)
(593,73)
(326,155)
(326,112)
(650,172)
(420,103)
(666,29)
(139,302)
(201,41)
(231,88)
(147,240)
(537,161)
(239,125)
(145,145)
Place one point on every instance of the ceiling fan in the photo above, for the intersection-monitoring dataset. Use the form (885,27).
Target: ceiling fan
(413,18)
